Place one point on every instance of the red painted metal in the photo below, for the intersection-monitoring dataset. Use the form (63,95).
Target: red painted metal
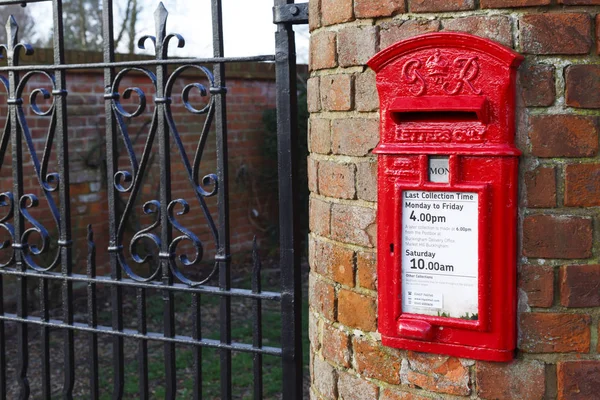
(450,94)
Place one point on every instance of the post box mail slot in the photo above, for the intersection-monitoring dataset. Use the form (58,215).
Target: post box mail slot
(447,196)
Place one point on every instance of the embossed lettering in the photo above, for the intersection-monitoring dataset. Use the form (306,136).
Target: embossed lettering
(452,78)
(440,135)
(412,76)
(469,69)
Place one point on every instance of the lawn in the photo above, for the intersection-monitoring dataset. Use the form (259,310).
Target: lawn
(242,328)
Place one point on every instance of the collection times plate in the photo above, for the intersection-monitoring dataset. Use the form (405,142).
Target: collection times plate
(440,253)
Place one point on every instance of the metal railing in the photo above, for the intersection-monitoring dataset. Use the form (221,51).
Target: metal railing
(165,233)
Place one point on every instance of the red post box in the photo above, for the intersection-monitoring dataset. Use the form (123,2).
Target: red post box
(447,196)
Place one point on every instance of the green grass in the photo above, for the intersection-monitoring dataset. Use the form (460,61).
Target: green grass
(242,363)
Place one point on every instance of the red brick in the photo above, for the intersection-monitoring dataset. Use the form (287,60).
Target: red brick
(563,136)
(337,180)
(496,28)
(583,86)
(356,45)
(376,362)
(440,6)
(578,380)
(523,380)
(550,236)
(582,185)
(325,378)
(319,216)
(321,297)
(336,92)
(322,50)
(357,311)
(336,11)
(333,261)
(366,180)
(389,394)
(353,225)
(378,8)
(580,285)
(579,2)
(313,97)
(554,333)
(319,135)
(541,187)
(336,345)
(314,249)
(537,85)
(354,137)
(314,15)
(440,374)
(366,265)
(564,33)
(537,281)
(352,387)
(313,332)
(312,167)
(396,30)
(513,3)
(365,92)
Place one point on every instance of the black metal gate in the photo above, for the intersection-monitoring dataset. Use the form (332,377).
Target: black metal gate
(28,240)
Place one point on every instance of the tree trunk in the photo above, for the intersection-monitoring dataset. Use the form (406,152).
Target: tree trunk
(132,23)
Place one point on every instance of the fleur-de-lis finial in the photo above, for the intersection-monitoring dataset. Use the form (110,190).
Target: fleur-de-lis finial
(161,40)
(12,46)
(160,19)
(12,32)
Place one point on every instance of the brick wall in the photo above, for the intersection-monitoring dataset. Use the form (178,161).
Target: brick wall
(558,269)
(251,91)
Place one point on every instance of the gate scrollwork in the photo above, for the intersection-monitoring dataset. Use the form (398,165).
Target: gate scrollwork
(131,181)
(17,128)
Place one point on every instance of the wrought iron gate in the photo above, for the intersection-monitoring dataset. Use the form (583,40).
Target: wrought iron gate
(28,240)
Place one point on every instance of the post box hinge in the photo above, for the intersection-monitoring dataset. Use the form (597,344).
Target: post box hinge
(291,13)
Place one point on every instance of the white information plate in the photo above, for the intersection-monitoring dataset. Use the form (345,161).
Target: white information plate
(440,253)
(439,169)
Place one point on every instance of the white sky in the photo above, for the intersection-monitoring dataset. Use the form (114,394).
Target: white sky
(248,26)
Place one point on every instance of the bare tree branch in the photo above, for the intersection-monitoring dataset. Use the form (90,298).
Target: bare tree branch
(132,24)
(24,20)
(125,19)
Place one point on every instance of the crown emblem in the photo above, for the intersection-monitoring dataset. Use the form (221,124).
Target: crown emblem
(437,67)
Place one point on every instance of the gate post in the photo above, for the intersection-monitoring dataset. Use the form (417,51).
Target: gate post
(287,136)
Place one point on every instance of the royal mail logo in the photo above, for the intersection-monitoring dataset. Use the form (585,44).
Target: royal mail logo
(453,77)
(441,135)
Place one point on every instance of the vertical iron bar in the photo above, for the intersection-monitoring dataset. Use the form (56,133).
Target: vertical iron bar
(142,345)
(92,316)
(2,344)
(18,220)
(197,335)
(45,339)
(257,314)
(165,199)
(64,240)
(111,169)
(287,137)
(223,256)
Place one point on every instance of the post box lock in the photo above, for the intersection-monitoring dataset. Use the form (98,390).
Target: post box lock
(447,196)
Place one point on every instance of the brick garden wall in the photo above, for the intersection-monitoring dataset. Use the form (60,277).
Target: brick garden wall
(558,272)
(251,91)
